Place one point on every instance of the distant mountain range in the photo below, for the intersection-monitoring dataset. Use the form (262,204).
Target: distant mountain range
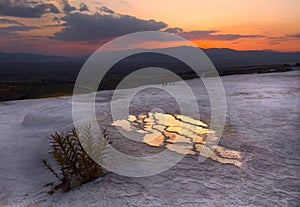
(222,58)
(25,76)
(30,57)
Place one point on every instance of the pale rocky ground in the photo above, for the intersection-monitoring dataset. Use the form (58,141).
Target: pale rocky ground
(262,126)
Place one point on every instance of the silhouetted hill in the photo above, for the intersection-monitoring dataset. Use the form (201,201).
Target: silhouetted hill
(26,76)
(30,57)
(222,58)
(225,58)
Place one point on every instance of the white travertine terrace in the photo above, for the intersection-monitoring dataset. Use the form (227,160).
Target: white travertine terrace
(262,118)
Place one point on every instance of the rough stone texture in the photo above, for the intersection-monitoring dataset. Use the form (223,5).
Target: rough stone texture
(263,119)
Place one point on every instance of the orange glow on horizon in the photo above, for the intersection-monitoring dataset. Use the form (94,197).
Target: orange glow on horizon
(274,23)
(288,46)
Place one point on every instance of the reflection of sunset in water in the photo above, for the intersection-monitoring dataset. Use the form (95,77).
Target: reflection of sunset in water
(181,134)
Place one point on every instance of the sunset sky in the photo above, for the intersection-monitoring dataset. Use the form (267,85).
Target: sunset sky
(77,27)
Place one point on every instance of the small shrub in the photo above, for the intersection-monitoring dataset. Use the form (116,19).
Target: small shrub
(75,167)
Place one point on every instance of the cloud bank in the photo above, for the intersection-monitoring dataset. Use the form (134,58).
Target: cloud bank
(80,26)
(208,35)
(12,30)
(26,8)
(9,21)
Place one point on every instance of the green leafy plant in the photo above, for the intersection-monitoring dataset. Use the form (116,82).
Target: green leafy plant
(74,166)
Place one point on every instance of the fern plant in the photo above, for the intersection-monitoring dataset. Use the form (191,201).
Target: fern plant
(75,166)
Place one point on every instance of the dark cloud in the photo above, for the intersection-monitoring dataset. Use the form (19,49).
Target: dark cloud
(235,43)
(198,34)
(175,30)
(294,35)
(57,23)
(211,35)
(26,8)
(83,7)
(88,27)
(9,21)
(274,42)
(13,30)
(106,10)
(67,7)
(56,20)
(280,39)
(208,34)
(277,40)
